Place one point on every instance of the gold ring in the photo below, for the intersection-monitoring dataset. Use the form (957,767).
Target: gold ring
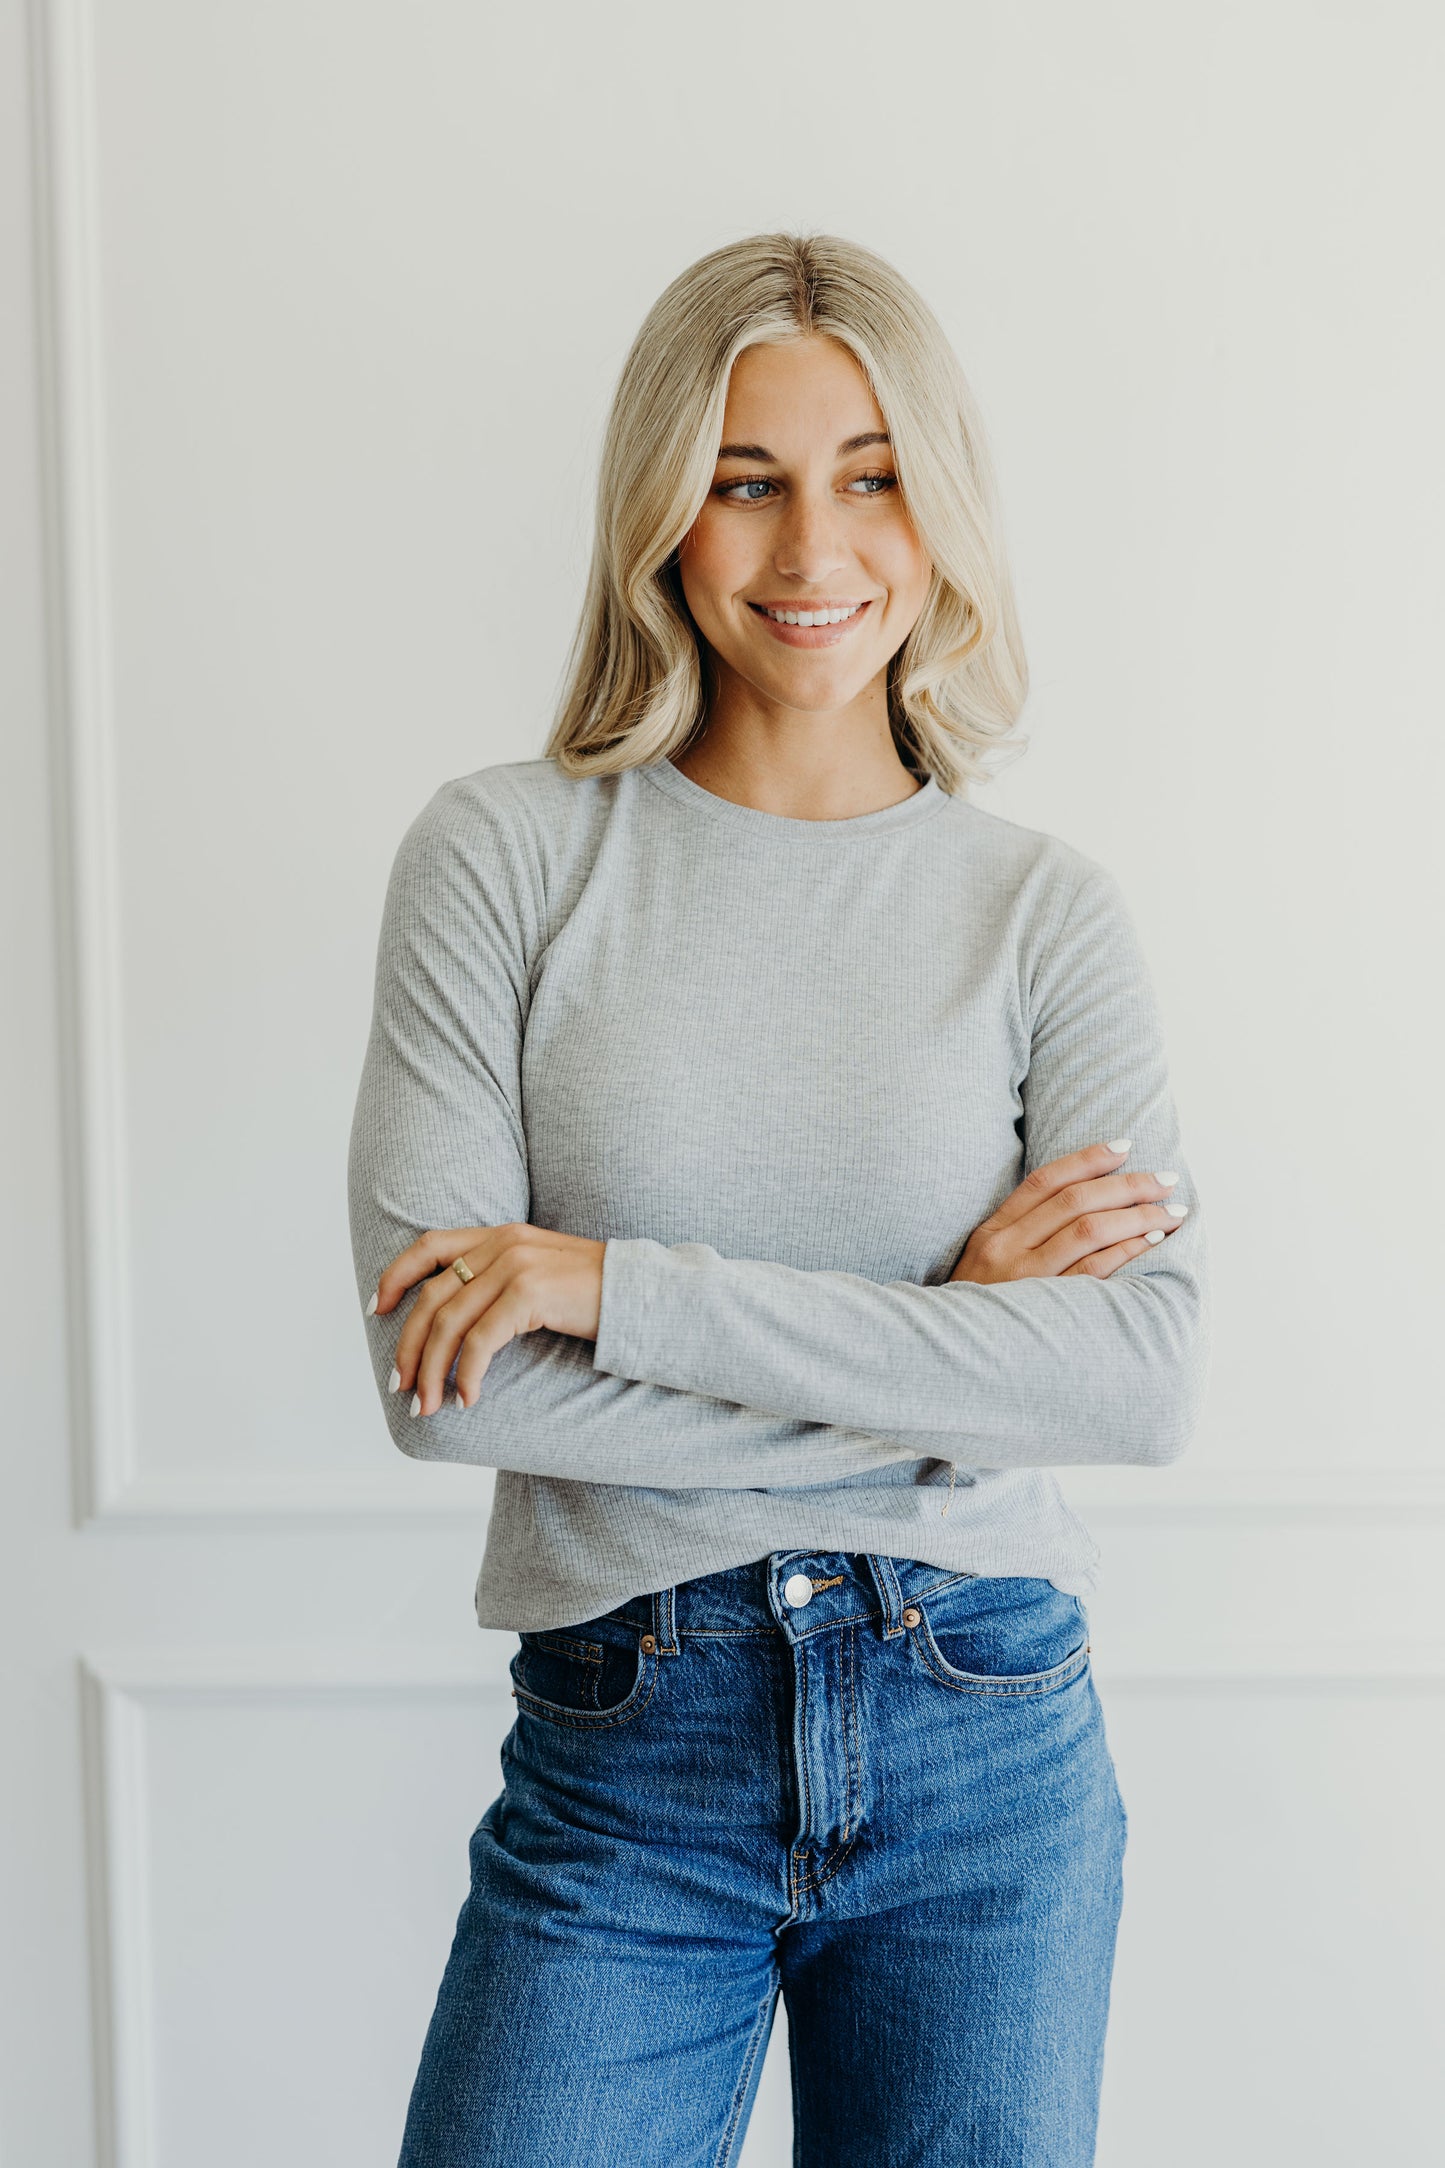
(463,1270)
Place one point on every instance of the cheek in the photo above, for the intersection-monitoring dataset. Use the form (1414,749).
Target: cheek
(903,566)
(712,566)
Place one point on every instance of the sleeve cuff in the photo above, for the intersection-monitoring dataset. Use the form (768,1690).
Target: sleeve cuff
(653,1307)
(621,1324)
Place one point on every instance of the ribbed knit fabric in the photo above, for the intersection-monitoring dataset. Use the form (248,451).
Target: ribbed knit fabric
(782,1068)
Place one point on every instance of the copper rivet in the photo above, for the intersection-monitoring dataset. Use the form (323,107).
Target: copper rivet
(649,1644)
(912,1617)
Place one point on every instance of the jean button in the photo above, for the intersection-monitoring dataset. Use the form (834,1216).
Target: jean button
(912,1617)
(797,1590)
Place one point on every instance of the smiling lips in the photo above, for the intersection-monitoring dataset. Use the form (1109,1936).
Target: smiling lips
(821,624)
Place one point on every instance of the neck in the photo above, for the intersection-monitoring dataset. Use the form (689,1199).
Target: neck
(805,766)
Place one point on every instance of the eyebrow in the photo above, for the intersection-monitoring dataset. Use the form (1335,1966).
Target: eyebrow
(760,452)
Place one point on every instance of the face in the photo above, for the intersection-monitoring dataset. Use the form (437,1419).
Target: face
(804,518)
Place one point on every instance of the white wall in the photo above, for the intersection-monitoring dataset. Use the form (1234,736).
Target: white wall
(311,314)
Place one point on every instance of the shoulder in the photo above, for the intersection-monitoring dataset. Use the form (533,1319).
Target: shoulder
(526,814)
(518,836)
(1016,860)
(1061,911)
(525,801)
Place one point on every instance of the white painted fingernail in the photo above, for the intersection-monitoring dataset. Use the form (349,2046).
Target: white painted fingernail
(393,1383)
(416,1403)
(371,1306)
(1117,1144)
(1167,1178)
(1175,1211)
(1156,1234)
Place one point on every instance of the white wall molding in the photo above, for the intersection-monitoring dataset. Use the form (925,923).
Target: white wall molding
(118,1858)
(165,1498)
(82,742)
(1107,1497)
(118,1687)
(1190,1491)
(143,1673)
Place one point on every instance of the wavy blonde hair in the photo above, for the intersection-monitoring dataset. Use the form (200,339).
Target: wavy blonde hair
(635,687)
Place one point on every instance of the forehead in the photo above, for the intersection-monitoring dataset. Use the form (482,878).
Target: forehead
(799,389)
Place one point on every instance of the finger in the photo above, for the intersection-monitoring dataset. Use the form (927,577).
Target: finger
(441,1288)
(1107,1192)
(446,1326)
(1101,1263)
(1094,1231)
(491,1310)
(503,1320)
(436,1247)
(493,1246)
(441,1246)
(457,1327)
(1056,1174)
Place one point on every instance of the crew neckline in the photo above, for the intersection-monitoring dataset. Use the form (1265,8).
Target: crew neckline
(856,826)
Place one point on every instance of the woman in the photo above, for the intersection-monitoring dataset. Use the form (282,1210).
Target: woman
(774,1155)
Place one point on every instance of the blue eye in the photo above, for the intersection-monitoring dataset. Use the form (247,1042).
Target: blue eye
(873,485)
(731,489)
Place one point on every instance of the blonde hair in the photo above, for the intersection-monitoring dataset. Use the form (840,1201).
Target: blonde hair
(635,684)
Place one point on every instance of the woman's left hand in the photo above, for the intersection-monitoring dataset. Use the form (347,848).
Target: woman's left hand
(524,1279)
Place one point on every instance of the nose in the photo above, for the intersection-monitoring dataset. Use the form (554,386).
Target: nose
(809,541)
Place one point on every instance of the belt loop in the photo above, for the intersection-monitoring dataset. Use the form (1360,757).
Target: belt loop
(664,1618)
(890,1595)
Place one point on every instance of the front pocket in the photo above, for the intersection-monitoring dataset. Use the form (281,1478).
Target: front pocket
(560,1668)
(972,1637)
(585,1684)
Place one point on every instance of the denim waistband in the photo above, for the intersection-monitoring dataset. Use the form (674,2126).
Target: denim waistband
(745,1600)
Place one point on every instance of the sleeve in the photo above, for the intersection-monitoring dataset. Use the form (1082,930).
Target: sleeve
(437,1140)
(1023,1373)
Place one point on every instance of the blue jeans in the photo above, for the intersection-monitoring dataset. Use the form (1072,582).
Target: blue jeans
(893,1800)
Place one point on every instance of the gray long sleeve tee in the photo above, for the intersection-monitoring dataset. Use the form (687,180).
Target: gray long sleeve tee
(782,1068)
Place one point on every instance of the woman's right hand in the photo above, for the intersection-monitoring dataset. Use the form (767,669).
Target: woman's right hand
(1074,1214)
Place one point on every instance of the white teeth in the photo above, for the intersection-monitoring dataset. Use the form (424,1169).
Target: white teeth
(814,617)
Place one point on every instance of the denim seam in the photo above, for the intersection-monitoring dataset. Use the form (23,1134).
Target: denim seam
(890,1594)
(853,1778)
(576,1720)
(933,1588)
(1007,1689)
(807,1758)
(798,1886)
(826,1625)
(761,2024)
(585,1652)
(810,1881)
(813,1883)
